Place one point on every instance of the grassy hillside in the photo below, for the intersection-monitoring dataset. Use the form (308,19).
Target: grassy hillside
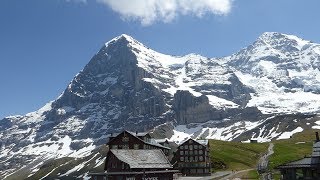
(236,155)
(292,149)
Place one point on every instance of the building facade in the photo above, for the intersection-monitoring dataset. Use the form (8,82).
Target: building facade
(136,164)
(192,158)
(135,156)
(135,140)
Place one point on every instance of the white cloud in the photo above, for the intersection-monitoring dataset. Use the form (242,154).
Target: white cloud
(150,11)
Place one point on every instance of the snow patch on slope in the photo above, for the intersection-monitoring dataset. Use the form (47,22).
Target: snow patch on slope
(208,131)
(269,98)
(287,135)
(220,103)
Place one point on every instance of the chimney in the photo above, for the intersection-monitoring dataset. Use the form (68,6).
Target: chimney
(317,137)
(136,133)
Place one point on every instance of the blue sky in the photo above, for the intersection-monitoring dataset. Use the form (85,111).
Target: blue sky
(43,44)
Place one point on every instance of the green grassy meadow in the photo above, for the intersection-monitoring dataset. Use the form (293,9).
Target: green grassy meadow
(287,150)
(235,155)
(240,156)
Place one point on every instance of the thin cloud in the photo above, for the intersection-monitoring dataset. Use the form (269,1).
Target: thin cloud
(151,11)
(78,1)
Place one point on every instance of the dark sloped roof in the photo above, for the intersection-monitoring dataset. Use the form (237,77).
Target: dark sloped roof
(203,142)
(152,141)
(305,162)
(141,158)
(132,172)
(132,133)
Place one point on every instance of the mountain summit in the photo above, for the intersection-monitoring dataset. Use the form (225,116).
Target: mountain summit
(263,91)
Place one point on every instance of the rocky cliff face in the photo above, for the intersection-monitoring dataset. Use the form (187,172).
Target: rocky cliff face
(129,86)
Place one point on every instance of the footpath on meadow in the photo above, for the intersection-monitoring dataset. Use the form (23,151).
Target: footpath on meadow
(263,164)
(262,167)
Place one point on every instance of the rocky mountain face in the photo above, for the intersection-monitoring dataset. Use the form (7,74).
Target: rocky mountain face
(268,90)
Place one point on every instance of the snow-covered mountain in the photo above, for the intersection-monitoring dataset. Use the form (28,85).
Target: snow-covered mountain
(257,92)
(281,66)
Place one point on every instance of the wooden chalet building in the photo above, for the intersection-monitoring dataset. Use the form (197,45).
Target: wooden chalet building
(136,164)
(306,168)
(135,156)
(135,140)
(192,158)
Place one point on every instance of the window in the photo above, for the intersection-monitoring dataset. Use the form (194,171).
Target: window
(191,152)
(146,139)
(136,146)
(125,139)
(186,159)
(185,146)
(181,147)
(195,146)
(190,141)
(196,158)
(181,159)
(190,147)
(181,152)
(200,147)
(113,165)
(186,152)
(200,158)
(196,152)
(114,147)
(200,171)
(200,152)
(125,146)
(191,159)
(130,178)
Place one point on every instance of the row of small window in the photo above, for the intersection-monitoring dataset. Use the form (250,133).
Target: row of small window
(146,139)
(124,146)
(199,171)
(96,178)
(123,165)
(192,158)
(195,152)
(194,165)
(135,146)
(191,147)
